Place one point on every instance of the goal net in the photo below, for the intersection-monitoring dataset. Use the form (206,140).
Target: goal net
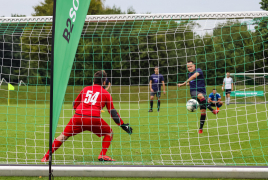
(128,47)
(250,88)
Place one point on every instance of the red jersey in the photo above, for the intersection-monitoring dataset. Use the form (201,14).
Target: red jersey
(91,100)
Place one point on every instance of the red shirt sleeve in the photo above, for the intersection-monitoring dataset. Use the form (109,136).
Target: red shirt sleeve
(78,100)
(110,106)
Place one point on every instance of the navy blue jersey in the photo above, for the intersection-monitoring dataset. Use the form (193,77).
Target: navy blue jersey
(156,81)
(214,97)
(107,81)
(198,84)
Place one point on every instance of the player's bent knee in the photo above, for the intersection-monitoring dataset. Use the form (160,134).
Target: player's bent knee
(111,134)
(200,96)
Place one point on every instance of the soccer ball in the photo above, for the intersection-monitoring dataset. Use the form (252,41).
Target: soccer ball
(192,105)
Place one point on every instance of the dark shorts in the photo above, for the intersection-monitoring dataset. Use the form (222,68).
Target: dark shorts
(228,91)
(78,124)
(156,93)
(195,93)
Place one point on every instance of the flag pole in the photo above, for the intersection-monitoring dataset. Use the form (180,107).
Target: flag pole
(51,90)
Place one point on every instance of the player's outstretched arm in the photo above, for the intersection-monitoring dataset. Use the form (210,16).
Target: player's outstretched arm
(116,117)
(119,121)
(195,75)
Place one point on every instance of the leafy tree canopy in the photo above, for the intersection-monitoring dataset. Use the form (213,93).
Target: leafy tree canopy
(264,4)
(96,7)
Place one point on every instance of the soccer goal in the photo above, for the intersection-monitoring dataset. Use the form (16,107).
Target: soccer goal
(250,88)
(129,47)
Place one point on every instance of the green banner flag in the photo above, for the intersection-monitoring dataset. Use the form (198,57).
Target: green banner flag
(70,18)
(246,93)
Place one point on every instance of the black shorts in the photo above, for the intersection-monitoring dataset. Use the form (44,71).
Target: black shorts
(228,91)
(156,93)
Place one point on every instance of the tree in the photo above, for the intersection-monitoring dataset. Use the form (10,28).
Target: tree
(96,8)
(264,4)
(44,9)
(17,15)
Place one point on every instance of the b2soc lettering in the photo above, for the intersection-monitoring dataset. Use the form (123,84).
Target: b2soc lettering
(70,21)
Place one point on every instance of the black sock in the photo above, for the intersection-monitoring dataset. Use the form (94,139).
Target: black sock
(152,103)
(202,120)
(158,105)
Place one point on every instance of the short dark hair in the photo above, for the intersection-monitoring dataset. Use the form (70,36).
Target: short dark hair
(156,67)
(214,89)
(99,77)
(190,61)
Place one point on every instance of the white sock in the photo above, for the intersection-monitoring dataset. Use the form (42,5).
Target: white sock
(228,100)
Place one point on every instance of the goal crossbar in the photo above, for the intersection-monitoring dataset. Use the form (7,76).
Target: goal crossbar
(137,17)
(137,171)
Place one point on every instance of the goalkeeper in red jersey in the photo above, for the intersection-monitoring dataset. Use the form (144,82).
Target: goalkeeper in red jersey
(88,106)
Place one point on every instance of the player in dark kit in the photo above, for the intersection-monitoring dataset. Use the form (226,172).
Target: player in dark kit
(156,80)
(198,91)
(88,105)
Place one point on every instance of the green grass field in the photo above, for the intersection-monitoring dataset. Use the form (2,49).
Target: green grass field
(236,136)
(41,94)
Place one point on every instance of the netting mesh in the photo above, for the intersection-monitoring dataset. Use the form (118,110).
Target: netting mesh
(128,49)
(251,88)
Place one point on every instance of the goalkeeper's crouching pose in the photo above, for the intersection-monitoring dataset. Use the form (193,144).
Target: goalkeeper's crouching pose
(88,106)
(214,99)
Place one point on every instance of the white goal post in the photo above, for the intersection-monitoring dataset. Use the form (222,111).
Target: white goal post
(188,160)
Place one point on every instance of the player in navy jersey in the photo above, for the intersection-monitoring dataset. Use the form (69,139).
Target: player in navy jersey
(214,99)
(197,84)
(88,106)
(156,81)
(107,83)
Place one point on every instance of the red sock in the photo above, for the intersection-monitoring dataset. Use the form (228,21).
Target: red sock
(105,144)
(56,144)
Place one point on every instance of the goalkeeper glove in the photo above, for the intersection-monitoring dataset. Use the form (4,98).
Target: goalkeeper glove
(127,128)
